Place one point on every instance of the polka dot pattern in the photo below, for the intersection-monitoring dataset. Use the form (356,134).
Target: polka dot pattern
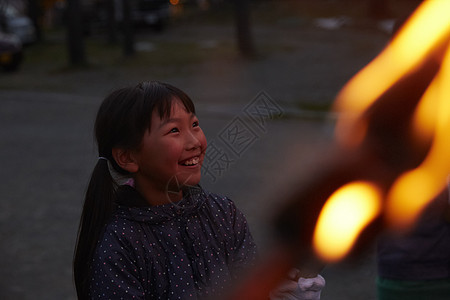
(192,249)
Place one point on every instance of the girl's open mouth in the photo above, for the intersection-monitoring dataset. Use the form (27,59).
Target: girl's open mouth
(190,162)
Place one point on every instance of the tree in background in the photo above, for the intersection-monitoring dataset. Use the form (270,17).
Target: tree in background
(75,41)
(128,30)
(243,32)
(111,24)
(35,12)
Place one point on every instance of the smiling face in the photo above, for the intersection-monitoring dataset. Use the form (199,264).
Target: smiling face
(171,152)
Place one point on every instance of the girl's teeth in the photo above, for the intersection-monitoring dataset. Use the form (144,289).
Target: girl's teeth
(192,161)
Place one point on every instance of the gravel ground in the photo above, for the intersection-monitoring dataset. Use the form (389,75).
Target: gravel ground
(47,149)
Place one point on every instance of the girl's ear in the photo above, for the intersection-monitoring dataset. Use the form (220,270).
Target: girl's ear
(125,159)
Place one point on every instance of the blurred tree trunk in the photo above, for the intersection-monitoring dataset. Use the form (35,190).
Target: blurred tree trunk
(75,40)
(128,31)
(379,9)
(244,36)
(35,13)
(111,21)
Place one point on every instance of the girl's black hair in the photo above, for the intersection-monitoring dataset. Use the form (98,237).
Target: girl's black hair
(121,122)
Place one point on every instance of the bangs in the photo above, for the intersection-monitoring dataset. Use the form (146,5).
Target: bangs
(160,96)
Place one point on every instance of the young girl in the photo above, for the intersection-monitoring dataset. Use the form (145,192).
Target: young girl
(159,235)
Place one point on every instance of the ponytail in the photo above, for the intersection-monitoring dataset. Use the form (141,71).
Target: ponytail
(97,210)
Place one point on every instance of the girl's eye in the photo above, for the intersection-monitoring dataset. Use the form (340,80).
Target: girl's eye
(174,130)
(195,124)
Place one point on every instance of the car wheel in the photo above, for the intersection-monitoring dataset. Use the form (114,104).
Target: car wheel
(14,63)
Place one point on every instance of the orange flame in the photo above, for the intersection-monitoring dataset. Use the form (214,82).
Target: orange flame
(412,191)
(353,206)
(347,212)
(426,28)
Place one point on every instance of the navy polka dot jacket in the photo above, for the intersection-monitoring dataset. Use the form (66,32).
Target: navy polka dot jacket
(191,249)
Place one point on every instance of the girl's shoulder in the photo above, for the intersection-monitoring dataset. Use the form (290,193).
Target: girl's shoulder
(220,202)
(216,198)
(119,233)
(119,225)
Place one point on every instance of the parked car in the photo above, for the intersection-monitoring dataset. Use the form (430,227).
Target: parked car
(11,52)
(13,21)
